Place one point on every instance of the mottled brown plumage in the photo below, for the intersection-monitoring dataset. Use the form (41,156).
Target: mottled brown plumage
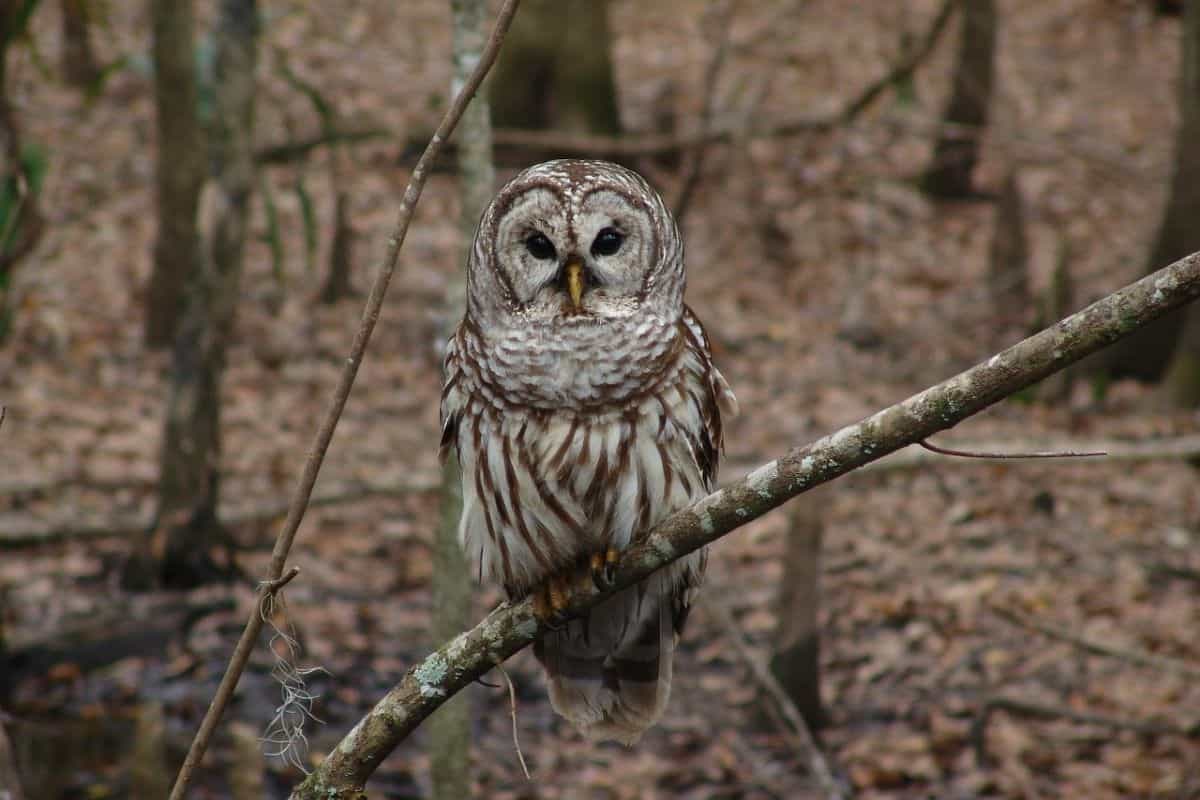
(584,407)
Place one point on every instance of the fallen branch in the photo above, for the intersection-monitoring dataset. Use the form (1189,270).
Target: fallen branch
(513,626)
(324,435)
(710,131)
(298,149)
(74,480)
(1139,657)
(800,735)
(1173,571)
(1013,705)
(106,635)
(230,515)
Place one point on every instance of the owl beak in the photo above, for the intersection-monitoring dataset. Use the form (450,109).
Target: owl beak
(574,276)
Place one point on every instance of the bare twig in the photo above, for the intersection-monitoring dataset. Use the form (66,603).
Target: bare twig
(308,478)
(1013,705)
(269,588)
(948,451)
(1179,447)
(1132,656)
(512,707)
(801,736)
(513,626)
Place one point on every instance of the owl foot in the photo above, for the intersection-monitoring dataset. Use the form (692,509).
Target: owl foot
(550,601)
(604,568)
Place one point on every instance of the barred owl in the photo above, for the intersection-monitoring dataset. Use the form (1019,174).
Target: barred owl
(582,401)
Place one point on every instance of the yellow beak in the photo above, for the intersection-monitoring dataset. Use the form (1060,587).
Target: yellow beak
(575,283)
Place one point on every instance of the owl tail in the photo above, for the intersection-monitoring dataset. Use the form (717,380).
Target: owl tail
(610,672)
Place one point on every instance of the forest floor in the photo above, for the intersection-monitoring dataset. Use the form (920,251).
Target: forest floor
(830,287)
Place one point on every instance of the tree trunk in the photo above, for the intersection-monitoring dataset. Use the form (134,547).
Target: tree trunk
(148,773)
(1147,354)
(796,662)
(450,727)
(1008,264)
(180,169)
(1058,302)
(955,155)
(21,168)
(10,779)
(555,70)
(1181,382)
(77,61)
(341,251)
(189,486)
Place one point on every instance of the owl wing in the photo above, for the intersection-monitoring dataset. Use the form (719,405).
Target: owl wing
(712,398)
(454,400)
(716,398)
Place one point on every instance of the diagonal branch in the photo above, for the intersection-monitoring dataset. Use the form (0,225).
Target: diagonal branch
(799,732)
(513,626)
(903,70)
(333,412)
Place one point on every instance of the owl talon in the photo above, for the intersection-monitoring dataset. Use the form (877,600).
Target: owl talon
(604,568)
(550,602)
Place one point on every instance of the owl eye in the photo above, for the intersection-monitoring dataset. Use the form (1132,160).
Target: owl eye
(607,242)
(539,247)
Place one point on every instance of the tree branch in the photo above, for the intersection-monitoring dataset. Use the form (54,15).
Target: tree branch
(299,149)
(903,70)
(513,626)
(324,435)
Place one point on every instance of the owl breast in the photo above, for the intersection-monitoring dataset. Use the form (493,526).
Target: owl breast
(577,444)
(572,362)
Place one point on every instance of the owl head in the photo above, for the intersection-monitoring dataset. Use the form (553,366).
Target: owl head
(575,243)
